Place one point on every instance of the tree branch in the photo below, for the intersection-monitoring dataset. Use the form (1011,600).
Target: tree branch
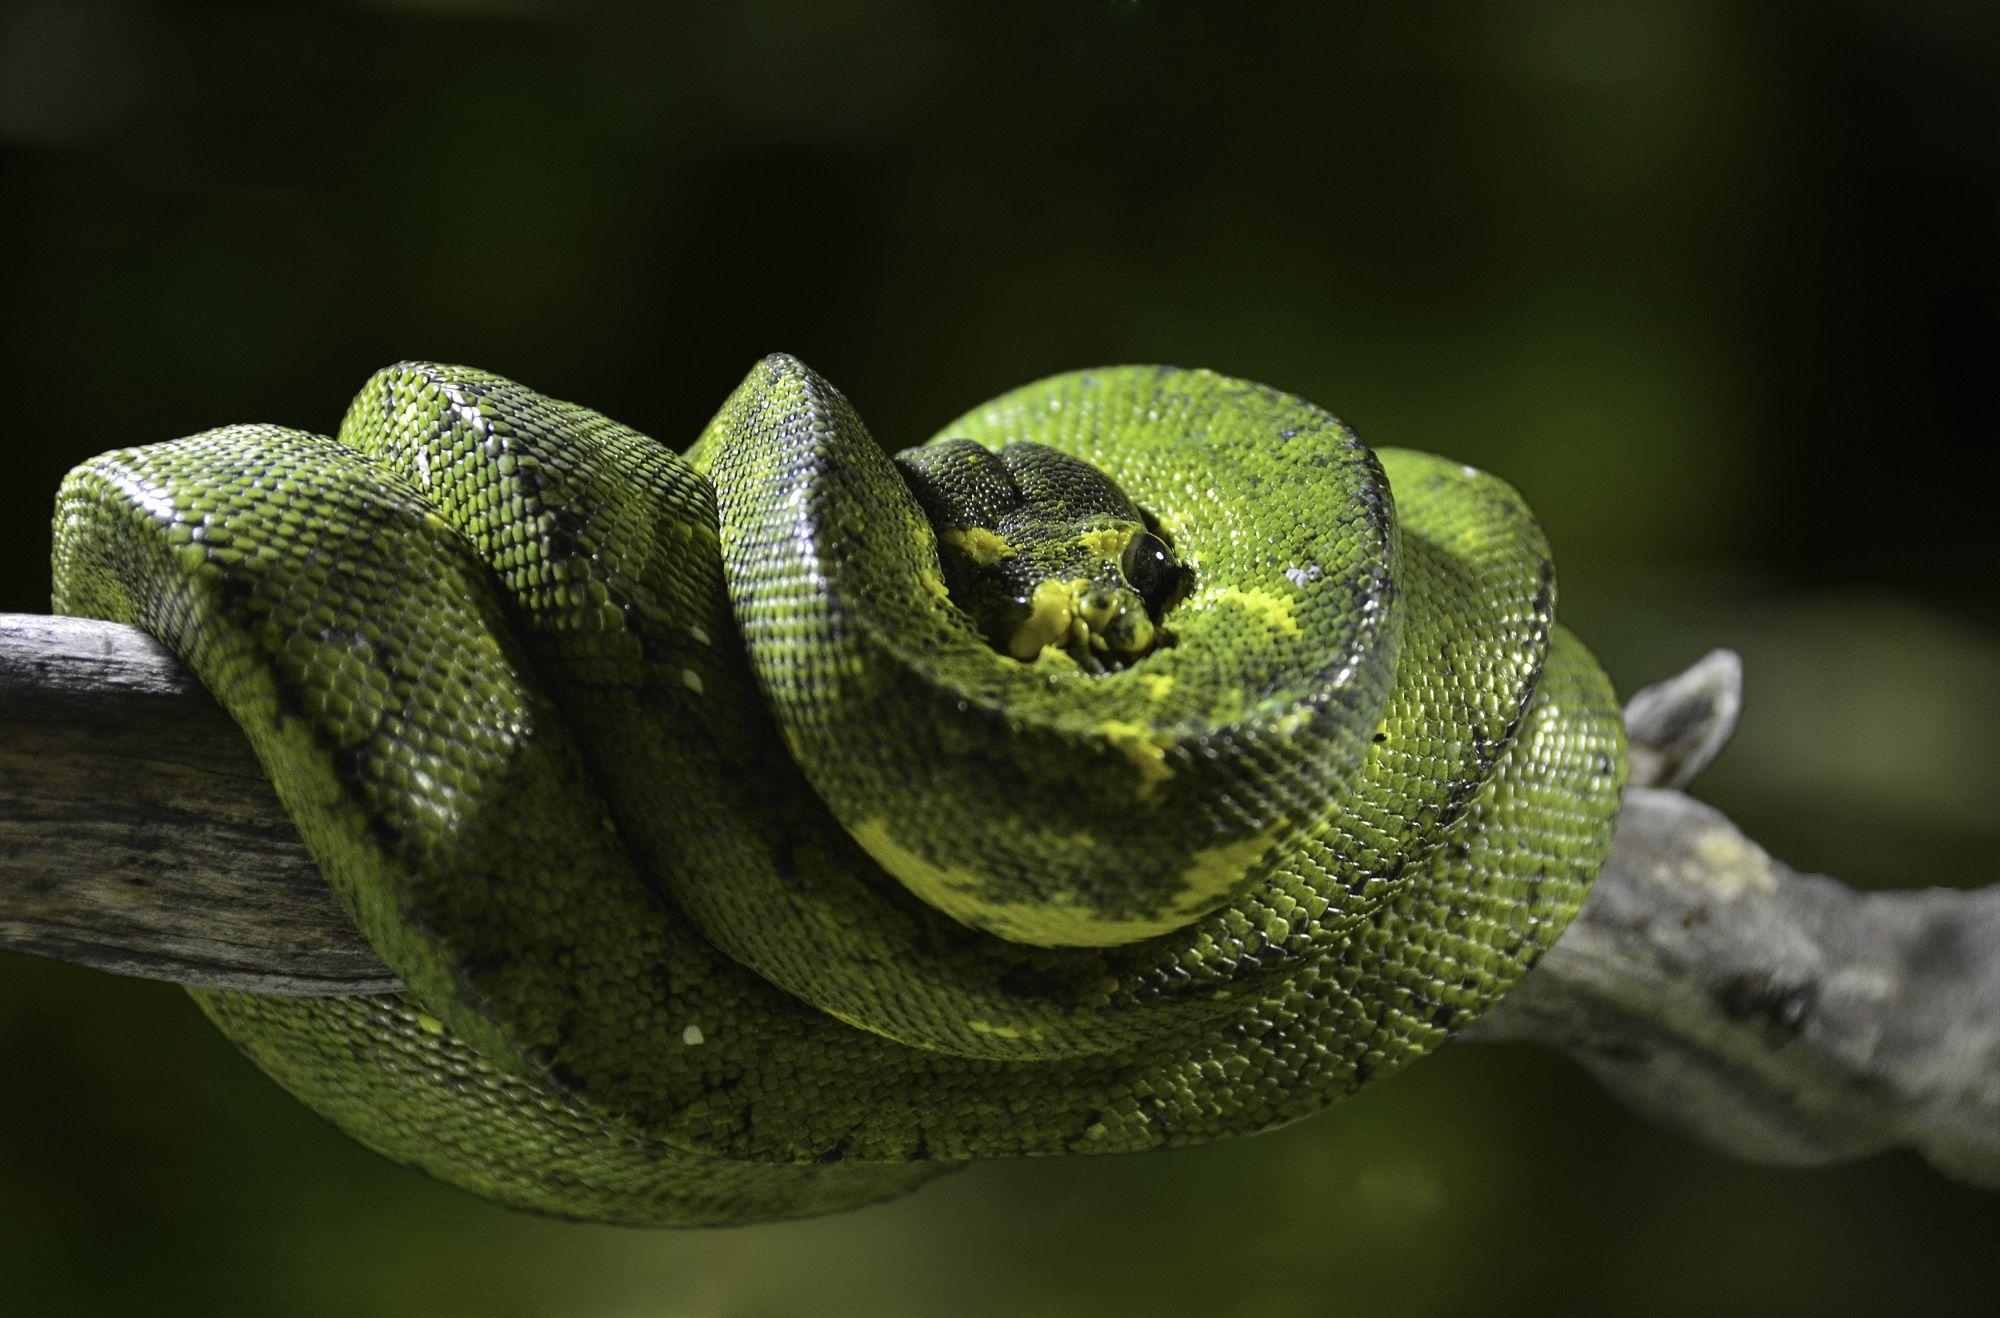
(139,835)
(1777,1016)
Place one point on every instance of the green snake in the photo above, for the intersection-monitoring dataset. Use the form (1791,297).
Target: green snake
(762,831)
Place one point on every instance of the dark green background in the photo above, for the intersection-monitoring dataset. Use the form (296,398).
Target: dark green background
(1714,284)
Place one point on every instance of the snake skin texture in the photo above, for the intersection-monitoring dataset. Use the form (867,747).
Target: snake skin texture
(762,831)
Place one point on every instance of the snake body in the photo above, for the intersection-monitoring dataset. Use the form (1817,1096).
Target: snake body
(760,832)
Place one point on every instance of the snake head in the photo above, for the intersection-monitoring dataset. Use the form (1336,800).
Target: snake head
(1044,551)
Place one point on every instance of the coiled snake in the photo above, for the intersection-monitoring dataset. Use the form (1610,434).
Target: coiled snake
(763,831)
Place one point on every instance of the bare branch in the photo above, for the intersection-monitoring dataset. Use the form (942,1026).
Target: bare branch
(1678,727)
(1778,1016)
(137,832)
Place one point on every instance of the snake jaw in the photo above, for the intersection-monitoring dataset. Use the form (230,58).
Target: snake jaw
(1111,621)
(1050,620)
(1101,627)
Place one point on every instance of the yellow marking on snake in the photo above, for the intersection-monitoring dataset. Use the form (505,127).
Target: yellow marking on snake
(1057,923)
(1047,623)
(1052,918)
(1273,609)
(1109,542)
(1097,615)
(1002,1031)
(919,874)
(1217,870)
(1157,684)
(980,545)
(1145,747)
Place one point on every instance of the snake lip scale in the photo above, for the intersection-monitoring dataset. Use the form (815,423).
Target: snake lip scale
(762,830)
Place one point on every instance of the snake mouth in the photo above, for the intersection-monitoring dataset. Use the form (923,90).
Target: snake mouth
(1102,628)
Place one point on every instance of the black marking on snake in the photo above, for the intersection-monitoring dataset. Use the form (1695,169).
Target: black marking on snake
(1362,880)
(556,1073)
(1028,983)
(1458,795)
(1081,1136)
(1545,597)
(1374,589)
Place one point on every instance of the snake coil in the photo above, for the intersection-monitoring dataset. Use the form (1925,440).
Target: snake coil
(760,832)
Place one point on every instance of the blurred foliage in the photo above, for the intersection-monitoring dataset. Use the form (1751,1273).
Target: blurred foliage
(1715,284)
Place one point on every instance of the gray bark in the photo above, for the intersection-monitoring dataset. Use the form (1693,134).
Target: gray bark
(139,835)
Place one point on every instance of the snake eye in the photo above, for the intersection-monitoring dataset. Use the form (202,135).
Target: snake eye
(1150,569)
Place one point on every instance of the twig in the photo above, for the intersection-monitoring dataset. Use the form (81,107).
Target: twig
(1777,1016)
